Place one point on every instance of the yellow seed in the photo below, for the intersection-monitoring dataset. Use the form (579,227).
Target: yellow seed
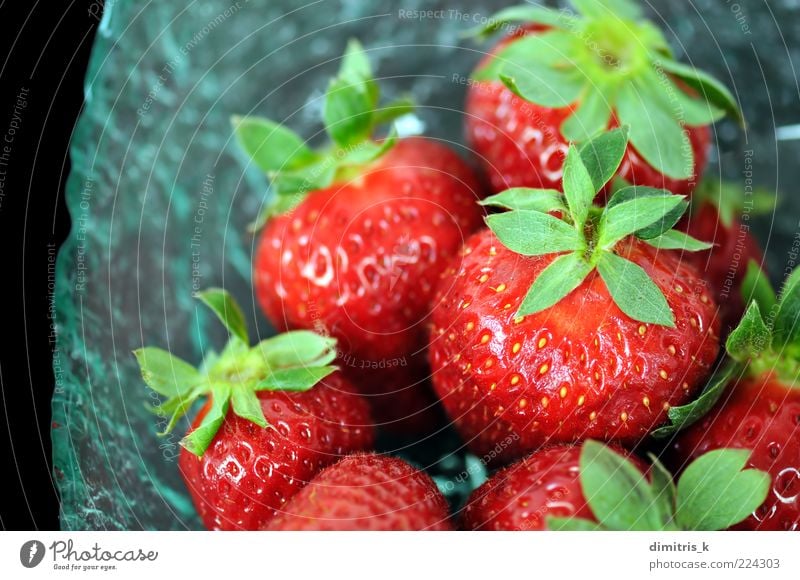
(515,379)
(500,288)
(456,357)
(493,386)
(544,368)
(470,326)
(467,368)
(666,406)
(671,350)
(483,278)
(592,415)
(642,329)
(522,403)
(678,288)
(451,336)
(563,392)
(492,251)
(545,402)
(685,386)
(465,305)
(518,319)
(623,416)
(516,348)
(542,342)
(704,299)
(646,401)
(619,336)
(581,400)
(663,374)
(693,322)
(489,362)
(596,376)
(485,338)
(507,306)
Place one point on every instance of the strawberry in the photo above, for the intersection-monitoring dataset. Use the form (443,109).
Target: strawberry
(562,77)
(366,492)
(717,216)
(556,329)
(593,487)
(276,414)
(757,404)
(371,226)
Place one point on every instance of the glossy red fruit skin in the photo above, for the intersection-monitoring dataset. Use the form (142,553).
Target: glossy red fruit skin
(519,144)
(725,265)
(761,414)
(579,369)
(249,472)
(367,492)
(521,496)
(360,260)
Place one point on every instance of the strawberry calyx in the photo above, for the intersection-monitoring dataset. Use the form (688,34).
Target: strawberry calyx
(292,361)
(351,113)
(542,221)
(622,498)
(766,342)
(611,65)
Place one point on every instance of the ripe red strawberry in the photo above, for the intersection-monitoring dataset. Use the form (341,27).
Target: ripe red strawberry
(276,414)
(591,487)
(369,493)
(553,330)
(760,411)
(358,255)
(715,217)
(563,77)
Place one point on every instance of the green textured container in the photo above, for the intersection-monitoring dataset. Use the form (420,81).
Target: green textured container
(160,197)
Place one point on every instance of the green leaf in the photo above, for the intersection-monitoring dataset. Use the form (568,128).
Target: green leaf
(562,524)
(655,133)
(541,200)
(714,493)
(166,374)
(708,87)
(750,338)
(756,286)
(347,112)
(633,291)
(786,329)
(524,14)
(556,281)
(543,86)
(602,155)
(686,415)
(177,407)
(393,110)
(663,490)
(355,64)
(598,9)
(271,146)
(295,379)
(618,493)
(676,240)
(199,439)
(532,233)
(578,187)
(695,112)
(632,216)
(298,348)
(658,227)
(247,406)
(592,116)
(222,303)
(368,151)
(549,51)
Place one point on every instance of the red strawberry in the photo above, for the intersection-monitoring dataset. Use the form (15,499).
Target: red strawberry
(594,487)
(761,411)
(366,492)
(276,415)
(359,254)
(541,346)
(715,218)
(568,76)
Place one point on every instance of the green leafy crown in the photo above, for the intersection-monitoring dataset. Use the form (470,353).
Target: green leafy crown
(293,361)
(587,235)
(730,199)
(714,492)
(613,64)
(351,114)
(767,340)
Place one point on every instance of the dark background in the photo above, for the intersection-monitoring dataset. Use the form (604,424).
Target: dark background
(44,48)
